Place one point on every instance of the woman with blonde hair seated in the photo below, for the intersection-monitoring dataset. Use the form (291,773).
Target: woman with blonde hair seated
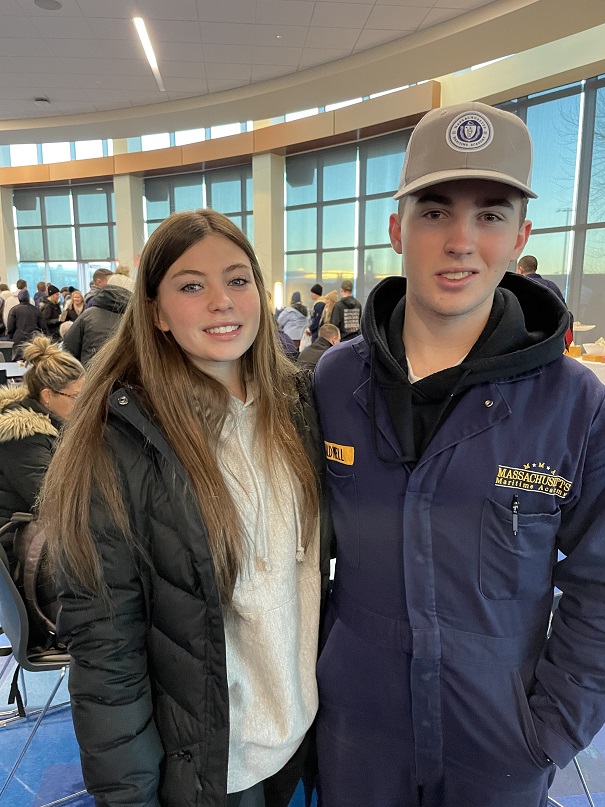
(31,418)
(187,538)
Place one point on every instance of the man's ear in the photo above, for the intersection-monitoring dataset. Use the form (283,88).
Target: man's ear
(395,233)
(522,238)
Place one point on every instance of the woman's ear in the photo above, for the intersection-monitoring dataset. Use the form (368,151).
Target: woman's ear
(159,323)
(45,397)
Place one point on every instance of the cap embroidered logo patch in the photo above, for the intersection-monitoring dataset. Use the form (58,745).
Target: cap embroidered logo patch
(470,132)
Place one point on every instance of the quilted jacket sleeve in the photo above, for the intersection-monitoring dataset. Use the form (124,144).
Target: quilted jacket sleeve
(24,463)
(568,701)
(109,684)
(73,338)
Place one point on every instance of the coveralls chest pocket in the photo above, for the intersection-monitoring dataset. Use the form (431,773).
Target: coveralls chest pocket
(517,552)
(343,490)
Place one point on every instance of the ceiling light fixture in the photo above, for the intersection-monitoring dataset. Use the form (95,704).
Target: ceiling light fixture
(48,5)
(42,102)
(147,47)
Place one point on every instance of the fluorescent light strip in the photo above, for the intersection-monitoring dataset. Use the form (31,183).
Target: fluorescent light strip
(139,24)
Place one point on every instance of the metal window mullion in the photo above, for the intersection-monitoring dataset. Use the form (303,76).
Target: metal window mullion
(319,203)
(584,172)
(362,201)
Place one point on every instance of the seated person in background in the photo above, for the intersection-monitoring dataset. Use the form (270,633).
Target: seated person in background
(287,344)
(329,335)
(528,267)
(31,417)
(294,318)
(50,313)
(98,322)
(23,322)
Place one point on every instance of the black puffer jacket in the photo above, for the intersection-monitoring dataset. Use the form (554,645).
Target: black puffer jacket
(96,324)
(148,678)
(28,433)
(23,322)
(50,319)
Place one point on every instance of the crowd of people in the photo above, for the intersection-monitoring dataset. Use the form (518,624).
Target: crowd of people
(302,326)
(194,483)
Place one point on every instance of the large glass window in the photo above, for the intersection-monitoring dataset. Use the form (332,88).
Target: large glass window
(338,204)
(554,127)
(596,204)
(228,190)
(59,230)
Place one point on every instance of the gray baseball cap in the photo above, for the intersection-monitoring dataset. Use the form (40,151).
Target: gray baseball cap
(467,141)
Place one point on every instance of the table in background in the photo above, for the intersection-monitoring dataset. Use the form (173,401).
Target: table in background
(13,369)
(597,367)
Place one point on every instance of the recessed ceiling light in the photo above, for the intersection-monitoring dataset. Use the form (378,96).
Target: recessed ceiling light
(279,36)
(41,101)
(48,5)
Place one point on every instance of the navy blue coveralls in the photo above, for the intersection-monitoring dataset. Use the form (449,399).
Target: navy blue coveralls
(437,684)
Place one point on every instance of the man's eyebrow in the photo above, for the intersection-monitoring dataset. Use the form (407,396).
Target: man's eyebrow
(446,201)
(234,267)
(498,202)
(433,198)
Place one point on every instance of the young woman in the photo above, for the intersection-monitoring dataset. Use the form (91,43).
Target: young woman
(74,307)
(187,538)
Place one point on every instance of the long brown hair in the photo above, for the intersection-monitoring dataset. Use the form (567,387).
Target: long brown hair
(187,404)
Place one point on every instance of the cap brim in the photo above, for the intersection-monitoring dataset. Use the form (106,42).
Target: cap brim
(466,173)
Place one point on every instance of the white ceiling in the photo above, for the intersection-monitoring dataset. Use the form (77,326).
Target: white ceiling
(87,58)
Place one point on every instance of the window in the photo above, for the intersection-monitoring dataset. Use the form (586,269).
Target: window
(338,203)
(228,190)
(60,229)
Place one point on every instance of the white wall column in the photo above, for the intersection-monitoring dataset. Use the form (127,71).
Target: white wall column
(9,270)
(268,185)
(128,192)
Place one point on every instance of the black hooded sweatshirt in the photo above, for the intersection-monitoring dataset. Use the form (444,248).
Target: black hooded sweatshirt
(525,330)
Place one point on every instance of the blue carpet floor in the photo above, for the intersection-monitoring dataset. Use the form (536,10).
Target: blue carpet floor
(51,770)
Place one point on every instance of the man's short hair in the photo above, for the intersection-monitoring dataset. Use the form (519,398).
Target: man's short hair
(528,264)
(329,331)
(346,285)
(41,285)
(21,284)
(101,274)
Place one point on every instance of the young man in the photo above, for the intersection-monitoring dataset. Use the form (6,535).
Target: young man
(346,314)
(451,500)
(319,303)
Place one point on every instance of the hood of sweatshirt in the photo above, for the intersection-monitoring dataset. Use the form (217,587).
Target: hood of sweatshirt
(349,302)
(525,330)
(112,298)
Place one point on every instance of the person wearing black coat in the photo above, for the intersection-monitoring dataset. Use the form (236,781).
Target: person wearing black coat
(329,335)
(23,322)
(188,539)
(31,417)
(97,324)
(50,313)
